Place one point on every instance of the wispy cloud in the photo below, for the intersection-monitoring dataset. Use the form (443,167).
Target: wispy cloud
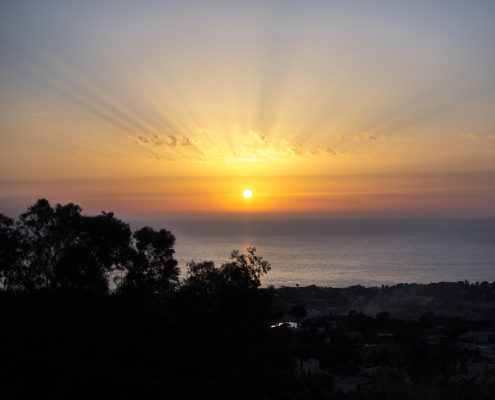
(39,114)
(161,140)
(469,136)
(255,147)
(379,137)
(249,147)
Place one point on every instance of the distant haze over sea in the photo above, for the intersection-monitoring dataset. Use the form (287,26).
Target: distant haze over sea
(347,252)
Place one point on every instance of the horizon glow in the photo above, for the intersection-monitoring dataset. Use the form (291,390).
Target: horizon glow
(174,108)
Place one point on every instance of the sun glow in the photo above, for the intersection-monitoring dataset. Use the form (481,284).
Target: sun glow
(247,194)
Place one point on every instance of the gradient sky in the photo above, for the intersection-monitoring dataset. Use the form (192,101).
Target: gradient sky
(338,108)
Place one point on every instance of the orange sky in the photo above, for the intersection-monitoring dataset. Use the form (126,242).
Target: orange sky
(334,109)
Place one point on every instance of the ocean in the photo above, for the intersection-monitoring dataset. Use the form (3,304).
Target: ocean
(341,253)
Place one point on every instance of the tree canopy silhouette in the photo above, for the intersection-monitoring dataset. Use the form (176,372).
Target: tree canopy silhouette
(59,248)
(152,270)
(228,294)
(242,273)
(11,251)
(64,249)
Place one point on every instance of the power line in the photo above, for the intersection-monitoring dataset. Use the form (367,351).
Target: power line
(124,373)
(112,371)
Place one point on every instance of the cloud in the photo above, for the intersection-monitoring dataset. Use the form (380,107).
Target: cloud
(349,152)
(248,147)
(167,147)
(168,140)
(379,137)
(254,147)
(40,114)
(469,136)
(324,150)
(491,136)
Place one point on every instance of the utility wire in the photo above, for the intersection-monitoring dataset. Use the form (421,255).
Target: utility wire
(121,372)
(99,368)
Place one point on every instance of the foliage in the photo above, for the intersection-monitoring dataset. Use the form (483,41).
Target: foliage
(11,251)
(59,248)
(153,270)
(243,272)
(298,312)
(229,292)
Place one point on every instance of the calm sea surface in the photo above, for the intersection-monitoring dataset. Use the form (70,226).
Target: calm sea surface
(348,252)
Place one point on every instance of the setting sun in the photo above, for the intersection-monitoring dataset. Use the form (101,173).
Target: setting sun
(247,194)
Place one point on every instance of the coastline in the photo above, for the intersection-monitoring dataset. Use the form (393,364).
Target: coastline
(474,301)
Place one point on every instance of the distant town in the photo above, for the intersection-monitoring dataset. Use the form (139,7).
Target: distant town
(403,335)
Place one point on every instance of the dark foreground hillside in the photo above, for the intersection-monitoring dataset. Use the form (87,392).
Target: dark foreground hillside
(90,309)
(79,345)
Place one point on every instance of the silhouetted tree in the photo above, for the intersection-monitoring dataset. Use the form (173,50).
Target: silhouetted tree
(91,250)
(12,273)
(245,270)
(383,317)
(153,270)
(230,292)
(203,278)
(36,228)
(227,307)
(242,273)
(60,248)
(298,312)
